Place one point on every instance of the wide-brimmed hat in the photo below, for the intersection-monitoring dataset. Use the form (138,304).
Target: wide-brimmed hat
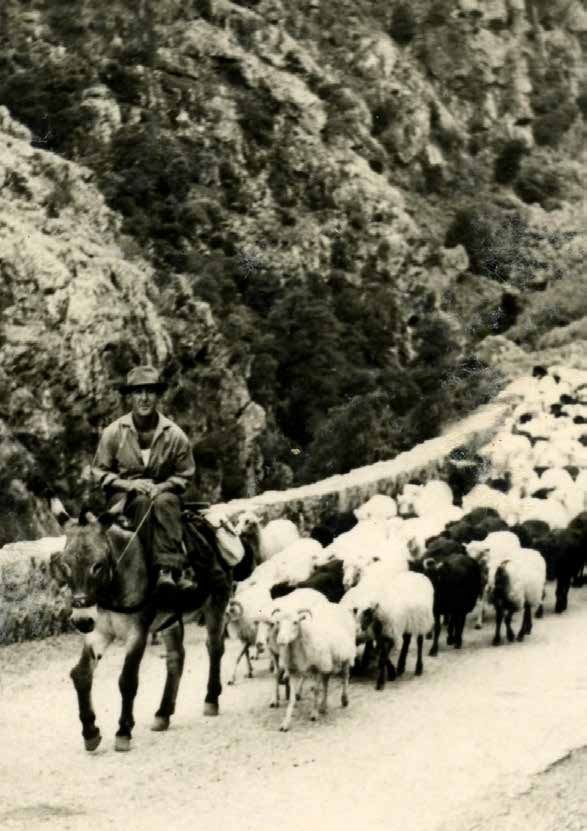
(143,376)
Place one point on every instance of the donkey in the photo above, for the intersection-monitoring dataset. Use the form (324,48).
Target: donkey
(107,572)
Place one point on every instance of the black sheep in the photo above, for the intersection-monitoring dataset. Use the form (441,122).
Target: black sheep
(327,580)
(456,578)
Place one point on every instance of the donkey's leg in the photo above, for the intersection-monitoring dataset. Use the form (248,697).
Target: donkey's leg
(214,614)
(128,683)
(175,657)
(82,675)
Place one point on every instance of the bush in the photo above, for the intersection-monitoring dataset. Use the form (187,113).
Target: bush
(549,129)
(537,184)
(403,25)
(507,164)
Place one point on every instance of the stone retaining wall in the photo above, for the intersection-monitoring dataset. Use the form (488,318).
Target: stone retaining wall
(31,605)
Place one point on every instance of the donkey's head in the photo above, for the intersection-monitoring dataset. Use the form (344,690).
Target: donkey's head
(86,563)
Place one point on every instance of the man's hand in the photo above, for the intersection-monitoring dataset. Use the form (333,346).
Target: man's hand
(157,490)
(143,486)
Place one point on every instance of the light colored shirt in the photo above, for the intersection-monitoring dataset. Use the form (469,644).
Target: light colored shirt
(119,455)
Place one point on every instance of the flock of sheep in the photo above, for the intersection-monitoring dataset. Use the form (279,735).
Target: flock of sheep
(365,583)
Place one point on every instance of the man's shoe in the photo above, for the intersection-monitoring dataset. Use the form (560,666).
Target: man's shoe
(166,591)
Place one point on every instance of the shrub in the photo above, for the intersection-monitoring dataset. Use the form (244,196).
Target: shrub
(536,183)
(507,164)
(403,25)
(550,128)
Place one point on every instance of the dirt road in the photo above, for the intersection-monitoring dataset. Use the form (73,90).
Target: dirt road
(460,748)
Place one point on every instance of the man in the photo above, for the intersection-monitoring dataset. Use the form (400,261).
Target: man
(145,460)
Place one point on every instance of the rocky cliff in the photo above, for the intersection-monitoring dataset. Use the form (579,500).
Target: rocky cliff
(331,212)
(79,308)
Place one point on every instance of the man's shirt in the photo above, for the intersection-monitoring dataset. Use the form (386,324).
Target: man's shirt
(119,455)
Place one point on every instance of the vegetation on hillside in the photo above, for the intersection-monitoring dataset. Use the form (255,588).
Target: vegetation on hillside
(352,363)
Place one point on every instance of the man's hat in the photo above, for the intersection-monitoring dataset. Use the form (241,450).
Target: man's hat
(143,376)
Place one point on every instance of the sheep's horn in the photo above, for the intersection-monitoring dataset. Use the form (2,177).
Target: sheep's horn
(275,611)
(302,613)
(430,563)
(236,604)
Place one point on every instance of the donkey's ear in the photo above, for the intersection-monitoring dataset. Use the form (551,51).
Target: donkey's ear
(58,511)
(106,520)
(58,569)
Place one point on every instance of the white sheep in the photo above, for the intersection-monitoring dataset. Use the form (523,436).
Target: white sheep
(417,530)
(268,540)
(483,496)
(292,565)
(518,585)
(298,599)
(555,477)
(391,611)
(505,449)
(379,506)
(435,497)
(317,642)
(490,553)
(524,481)
(551,511)
(406,500)
(242,615)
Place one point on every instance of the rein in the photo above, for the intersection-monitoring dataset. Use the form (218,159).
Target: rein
(137,607)
(134,536)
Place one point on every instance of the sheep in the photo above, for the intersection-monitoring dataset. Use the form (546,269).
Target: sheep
(322,534)
(416,531)
(318,641)
(435,497)
(242,614)
(268,540)
(568,551)
(390,610)
(291,565)
(340,523)
(456,578)
(556,477)
(550,510)
(489,553)
(378,506)
(406,500)
(518,584)
(475,525)
(327,579)
(481,496)
(306,596)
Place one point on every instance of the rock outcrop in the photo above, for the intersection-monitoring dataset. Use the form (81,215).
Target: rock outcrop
(79,308)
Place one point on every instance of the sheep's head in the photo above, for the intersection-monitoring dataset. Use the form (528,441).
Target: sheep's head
(248,524)
(367,622)
(234,611)
(287,625)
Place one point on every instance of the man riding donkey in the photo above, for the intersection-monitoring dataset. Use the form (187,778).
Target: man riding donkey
(143,464)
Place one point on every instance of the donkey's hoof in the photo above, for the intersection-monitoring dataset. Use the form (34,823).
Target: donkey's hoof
(160,723)
(210,709)
(122,744)
(92,744)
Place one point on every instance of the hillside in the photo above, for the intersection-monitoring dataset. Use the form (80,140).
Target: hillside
(327,222)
